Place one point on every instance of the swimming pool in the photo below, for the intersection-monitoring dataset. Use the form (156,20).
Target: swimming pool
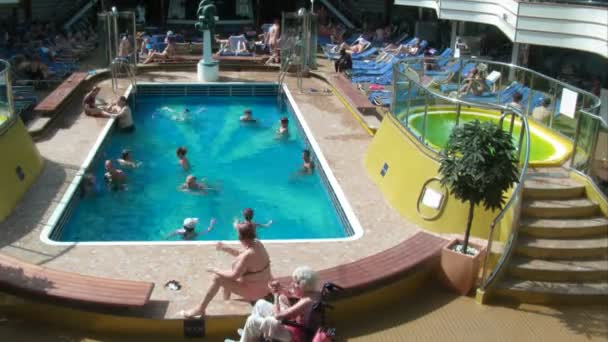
(248,166)
(545,147)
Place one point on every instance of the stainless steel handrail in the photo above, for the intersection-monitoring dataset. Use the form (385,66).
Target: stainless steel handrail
(517,192)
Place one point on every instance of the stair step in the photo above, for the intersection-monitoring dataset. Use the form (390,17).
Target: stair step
(580,207)
(559,270)
(544,292)
(564,248)
(544,187)
(562,227)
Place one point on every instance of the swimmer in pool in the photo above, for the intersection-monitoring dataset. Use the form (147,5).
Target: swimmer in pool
(183,116)
(247,117)
(283,130)
(187,231)
(248,216)
(192,185)
(89,186)
(113,175)
(126,160)
(183,160)
(308,165)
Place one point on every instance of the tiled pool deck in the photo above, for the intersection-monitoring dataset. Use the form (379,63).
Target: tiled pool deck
(340,137)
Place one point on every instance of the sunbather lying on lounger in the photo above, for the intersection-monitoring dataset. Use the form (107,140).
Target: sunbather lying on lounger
(409,49)
(358,45)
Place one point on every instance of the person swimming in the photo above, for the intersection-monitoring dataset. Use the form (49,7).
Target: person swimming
(308,164)
(248,216)
(183,160)
(192,185)
(126,160)
(187,231)
(89,186)
(113,175)
(247,117)
(283,130)
(182,116)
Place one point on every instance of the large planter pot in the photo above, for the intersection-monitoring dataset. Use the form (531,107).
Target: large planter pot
(460,271)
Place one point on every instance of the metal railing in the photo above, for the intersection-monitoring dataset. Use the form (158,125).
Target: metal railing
(7,106)
(418,91)
(581,126)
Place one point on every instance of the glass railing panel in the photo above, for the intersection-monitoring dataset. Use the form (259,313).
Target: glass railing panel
(6,96)
(587,131)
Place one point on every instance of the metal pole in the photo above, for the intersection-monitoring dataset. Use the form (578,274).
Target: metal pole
(409,103)
(395,88)
(459,78)
(500,85)
(426,108)
(554,107)
(575,142)
(512,122)
(521,140)
(530,96)
(458,107)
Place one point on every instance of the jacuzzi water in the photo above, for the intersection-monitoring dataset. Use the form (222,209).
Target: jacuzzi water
(245,162)
(439,126)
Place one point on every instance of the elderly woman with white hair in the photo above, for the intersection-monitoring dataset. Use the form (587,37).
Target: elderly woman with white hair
(265,319)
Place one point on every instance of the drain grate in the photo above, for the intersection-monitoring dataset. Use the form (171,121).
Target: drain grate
(194,328)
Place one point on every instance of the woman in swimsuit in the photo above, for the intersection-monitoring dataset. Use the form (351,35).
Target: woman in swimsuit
(248,216)
(166,54)
(248,277)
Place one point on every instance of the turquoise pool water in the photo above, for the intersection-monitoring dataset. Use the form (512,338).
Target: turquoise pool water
(249,166)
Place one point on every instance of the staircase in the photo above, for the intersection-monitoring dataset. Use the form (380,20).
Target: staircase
(561,254)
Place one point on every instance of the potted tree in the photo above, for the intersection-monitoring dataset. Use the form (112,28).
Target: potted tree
(478,166)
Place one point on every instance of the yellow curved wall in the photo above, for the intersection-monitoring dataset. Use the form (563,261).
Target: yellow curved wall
(16,150)
(409,168)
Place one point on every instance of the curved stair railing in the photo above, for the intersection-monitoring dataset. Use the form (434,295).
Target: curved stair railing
(414,93)
(514,203)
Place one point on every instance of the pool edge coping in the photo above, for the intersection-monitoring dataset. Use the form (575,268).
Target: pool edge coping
(59,211)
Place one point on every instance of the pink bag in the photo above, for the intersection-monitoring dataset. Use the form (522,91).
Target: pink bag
(321,336)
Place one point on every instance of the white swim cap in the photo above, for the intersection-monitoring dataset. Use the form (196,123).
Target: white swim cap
(190,222)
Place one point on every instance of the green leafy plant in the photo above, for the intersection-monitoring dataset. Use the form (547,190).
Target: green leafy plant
(478,166)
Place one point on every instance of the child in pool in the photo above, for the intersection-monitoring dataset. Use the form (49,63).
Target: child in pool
(183,160)
(247,117)
(126,160)
(187,231)
(283,130)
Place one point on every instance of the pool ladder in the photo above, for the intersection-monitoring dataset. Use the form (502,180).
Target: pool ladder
(118,67)
(283,72)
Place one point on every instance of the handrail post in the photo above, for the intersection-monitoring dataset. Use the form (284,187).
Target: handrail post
(426,108)
(458,107)
(521,141)
(500,86)
(409,103)
(531,95)
(554,100)
(395,88)
(575,142)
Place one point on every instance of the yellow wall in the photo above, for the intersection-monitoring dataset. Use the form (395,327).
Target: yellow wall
(16,149)
(409,167)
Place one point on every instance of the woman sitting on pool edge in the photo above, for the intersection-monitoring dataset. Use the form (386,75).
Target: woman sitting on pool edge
(188,229)
(248,277)
(248,216)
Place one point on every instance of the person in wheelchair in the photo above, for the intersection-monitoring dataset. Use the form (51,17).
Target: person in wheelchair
(265,321)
